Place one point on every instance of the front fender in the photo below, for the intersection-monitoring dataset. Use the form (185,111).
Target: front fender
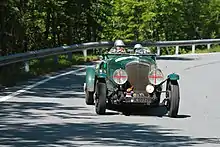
(90,79)
(173,77)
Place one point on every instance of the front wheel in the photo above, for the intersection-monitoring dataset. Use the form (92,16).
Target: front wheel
(173,98)
(100,105)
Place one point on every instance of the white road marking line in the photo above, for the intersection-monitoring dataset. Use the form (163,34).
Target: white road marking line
(37,84)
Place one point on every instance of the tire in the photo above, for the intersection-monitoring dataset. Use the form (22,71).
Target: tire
(126,113)
(89,98)
(100,105)
(173,99)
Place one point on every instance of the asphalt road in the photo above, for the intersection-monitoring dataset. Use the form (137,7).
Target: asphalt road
(54,113)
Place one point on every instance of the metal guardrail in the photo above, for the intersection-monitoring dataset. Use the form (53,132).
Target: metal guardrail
(22,57)
(25,57)
(179,43)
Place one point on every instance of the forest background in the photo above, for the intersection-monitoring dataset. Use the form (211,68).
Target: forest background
(37,24)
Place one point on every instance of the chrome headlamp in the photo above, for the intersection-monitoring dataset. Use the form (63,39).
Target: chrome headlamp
(120,76)
(155,76)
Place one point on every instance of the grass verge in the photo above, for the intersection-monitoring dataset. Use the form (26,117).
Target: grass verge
(211,50)
(12,74)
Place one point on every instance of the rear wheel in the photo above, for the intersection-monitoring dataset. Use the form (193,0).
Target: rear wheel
(126,113)
(173,98)
(89,98)
(100,104)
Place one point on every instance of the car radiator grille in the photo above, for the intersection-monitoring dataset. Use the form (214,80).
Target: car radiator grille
(138,76)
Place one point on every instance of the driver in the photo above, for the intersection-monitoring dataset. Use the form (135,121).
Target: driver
(139,49)
(118,47)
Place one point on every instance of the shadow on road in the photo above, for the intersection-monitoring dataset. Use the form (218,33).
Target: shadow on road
(40,110)
(25,124)
(4,91)
(70,86)
(160,111)
(106,134)
(140,111)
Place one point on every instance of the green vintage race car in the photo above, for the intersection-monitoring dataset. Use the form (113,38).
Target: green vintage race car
(130,79)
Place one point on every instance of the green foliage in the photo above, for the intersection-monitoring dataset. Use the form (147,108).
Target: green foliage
(36,24)
(211,50)
(13,74)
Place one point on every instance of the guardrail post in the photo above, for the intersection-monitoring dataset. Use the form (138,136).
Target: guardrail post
(158,50)
(208,46)
(26,66)
(85,54)
(177,50)
(193,48)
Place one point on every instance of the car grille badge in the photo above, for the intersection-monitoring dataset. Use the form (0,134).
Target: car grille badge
(129,92)
(130,89)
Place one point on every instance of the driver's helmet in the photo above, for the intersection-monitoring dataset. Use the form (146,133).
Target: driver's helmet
(119,43)
(138,46)
(139,49)
(119,46)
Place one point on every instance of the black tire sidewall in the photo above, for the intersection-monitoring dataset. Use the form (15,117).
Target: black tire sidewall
(174,98)
(101,98)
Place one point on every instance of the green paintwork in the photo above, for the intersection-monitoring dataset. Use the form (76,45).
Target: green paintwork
(116,61)
(92,73)
(110,63)
(101,70)
(90,78)
(173,76)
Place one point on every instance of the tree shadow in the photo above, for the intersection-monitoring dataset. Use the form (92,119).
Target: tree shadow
(70,86)
(22,125)
(88,133)
(39,110)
